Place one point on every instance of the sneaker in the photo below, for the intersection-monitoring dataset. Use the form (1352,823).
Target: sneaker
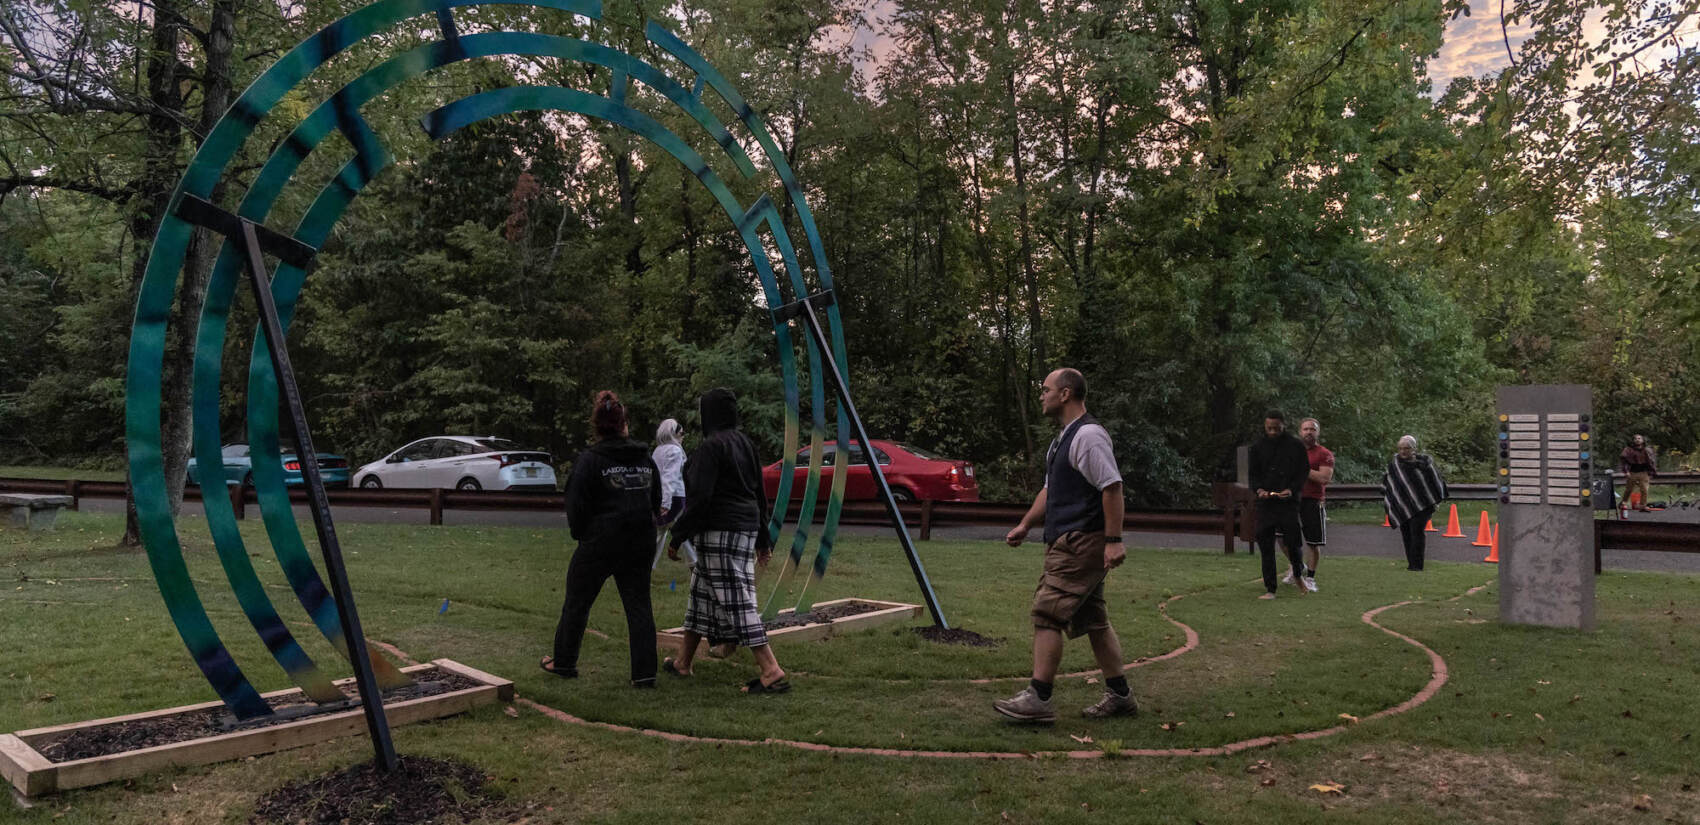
(1289,578)
(1026,706)
(1310,583)
(1267,596)
(1112,705)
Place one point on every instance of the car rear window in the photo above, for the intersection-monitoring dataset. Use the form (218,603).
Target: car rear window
(494,444)
(926,454)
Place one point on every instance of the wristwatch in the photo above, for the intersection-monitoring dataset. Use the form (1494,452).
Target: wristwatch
(1112,539)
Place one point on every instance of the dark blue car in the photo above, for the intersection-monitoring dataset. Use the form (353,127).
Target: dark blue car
(239,468)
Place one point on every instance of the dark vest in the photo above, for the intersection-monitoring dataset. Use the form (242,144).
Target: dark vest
(1071,502)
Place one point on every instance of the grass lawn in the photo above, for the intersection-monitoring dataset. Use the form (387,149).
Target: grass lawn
(1534,725)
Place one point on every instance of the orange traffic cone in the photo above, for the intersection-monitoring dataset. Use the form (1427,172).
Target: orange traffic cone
(1493,552)
(1484,533)
(1384,521)
(1453,531)
(1429,528)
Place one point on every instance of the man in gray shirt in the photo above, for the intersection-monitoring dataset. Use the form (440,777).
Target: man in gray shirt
(1081,509)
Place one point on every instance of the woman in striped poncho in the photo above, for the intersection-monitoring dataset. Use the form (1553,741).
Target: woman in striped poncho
(1411,489)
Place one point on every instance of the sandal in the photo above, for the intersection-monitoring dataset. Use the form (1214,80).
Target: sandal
(755,686)
(667,665)
(547,663)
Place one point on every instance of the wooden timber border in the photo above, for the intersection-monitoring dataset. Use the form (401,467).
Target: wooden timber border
(33,774)
(889,612)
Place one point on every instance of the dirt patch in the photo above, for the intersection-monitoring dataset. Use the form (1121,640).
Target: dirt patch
(955,636)
(182,727)
(822,615)
(420,790)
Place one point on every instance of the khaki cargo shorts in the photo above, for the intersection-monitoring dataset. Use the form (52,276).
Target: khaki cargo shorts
(1070,596)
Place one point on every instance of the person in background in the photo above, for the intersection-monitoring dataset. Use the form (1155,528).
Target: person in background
(669,458)
(1278,469)
(1313,512)
(726,514)
(1636,464)
(613,497)
(1411,488)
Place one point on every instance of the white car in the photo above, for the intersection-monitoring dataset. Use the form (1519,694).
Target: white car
(463,462)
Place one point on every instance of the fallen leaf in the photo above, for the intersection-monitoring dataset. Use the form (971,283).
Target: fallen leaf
(511,711)
(1369,757)
(1328,788)
(1540,717)
(1542,682)
(1628,715)
(1576,698)
(1006,816)
(1228,715)
(1084,740)
(1091,680)
(45,697)
(1267,781)
(1350,718)
(1258,766)
(1643,803)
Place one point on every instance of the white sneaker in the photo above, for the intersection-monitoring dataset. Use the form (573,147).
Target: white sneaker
(1289,578)
(1026,706)
(1310,584)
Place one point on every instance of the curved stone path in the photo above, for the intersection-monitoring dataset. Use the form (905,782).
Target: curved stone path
(1437,679)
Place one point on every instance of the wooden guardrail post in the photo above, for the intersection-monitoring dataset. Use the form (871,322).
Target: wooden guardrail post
(238,502)
(1228,529)
(436,506)
(72,488)
(926,519)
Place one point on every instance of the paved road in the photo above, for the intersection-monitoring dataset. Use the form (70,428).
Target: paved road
(1344,539)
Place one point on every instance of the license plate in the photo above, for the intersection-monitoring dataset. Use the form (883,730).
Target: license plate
(531,472)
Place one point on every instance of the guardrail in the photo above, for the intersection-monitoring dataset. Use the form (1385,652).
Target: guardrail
(1232,520)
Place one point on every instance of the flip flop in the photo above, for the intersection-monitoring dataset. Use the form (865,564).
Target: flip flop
(547,663)
(667,665)
(754,686)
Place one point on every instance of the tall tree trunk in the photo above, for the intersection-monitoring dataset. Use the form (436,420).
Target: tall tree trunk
(160,169)
(176,418)
(1035,315)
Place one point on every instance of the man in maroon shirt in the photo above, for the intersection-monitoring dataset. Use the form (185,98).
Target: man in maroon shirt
(1313,515)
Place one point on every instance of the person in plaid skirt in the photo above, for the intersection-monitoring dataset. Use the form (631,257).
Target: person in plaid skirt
(725,517)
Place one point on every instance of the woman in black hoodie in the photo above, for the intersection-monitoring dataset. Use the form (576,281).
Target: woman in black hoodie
(726,517)
(613,497)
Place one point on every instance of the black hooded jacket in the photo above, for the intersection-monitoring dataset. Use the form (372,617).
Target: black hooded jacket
(723,476)
(614,494)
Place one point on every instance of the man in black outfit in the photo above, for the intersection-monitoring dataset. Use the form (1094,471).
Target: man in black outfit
(1279,466)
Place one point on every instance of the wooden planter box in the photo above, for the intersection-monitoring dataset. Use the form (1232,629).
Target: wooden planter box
(33,774)
(889,612)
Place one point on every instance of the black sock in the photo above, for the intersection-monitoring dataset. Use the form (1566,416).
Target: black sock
(1118,684)
(1043,689)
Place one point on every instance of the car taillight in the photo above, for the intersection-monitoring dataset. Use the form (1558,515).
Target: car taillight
(292,466)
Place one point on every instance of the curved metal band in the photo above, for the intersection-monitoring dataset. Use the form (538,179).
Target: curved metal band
(153,308)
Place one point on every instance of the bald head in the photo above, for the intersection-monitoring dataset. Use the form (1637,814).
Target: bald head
(1063,391)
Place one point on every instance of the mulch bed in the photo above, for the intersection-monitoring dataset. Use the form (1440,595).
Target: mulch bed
(198,724)
(420,790)
(823,615)
(955,636)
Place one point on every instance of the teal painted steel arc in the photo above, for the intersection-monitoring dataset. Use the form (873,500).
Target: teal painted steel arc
(660,36)
(340,111)
(227,137)
(153,308)
(478,107)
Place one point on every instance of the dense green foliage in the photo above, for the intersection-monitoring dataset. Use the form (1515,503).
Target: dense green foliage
(1211,207)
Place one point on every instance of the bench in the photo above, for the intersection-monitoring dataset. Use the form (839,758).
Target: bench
(32,511)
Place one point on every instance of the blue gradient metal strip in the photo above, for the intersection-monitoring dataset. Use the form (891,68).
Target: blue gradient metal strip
(670,42)
(153,309)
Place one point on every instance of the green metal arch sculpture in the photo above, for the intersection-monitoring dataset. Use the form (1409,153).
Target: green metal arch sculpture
(341,113)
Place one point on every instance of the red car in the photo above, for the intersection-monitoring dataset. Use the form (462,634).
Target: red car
(914,474)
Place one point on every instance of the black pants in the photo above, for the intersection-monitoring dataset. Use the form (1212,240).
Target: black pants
(1415,542)
(590,568)
(1282,516)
